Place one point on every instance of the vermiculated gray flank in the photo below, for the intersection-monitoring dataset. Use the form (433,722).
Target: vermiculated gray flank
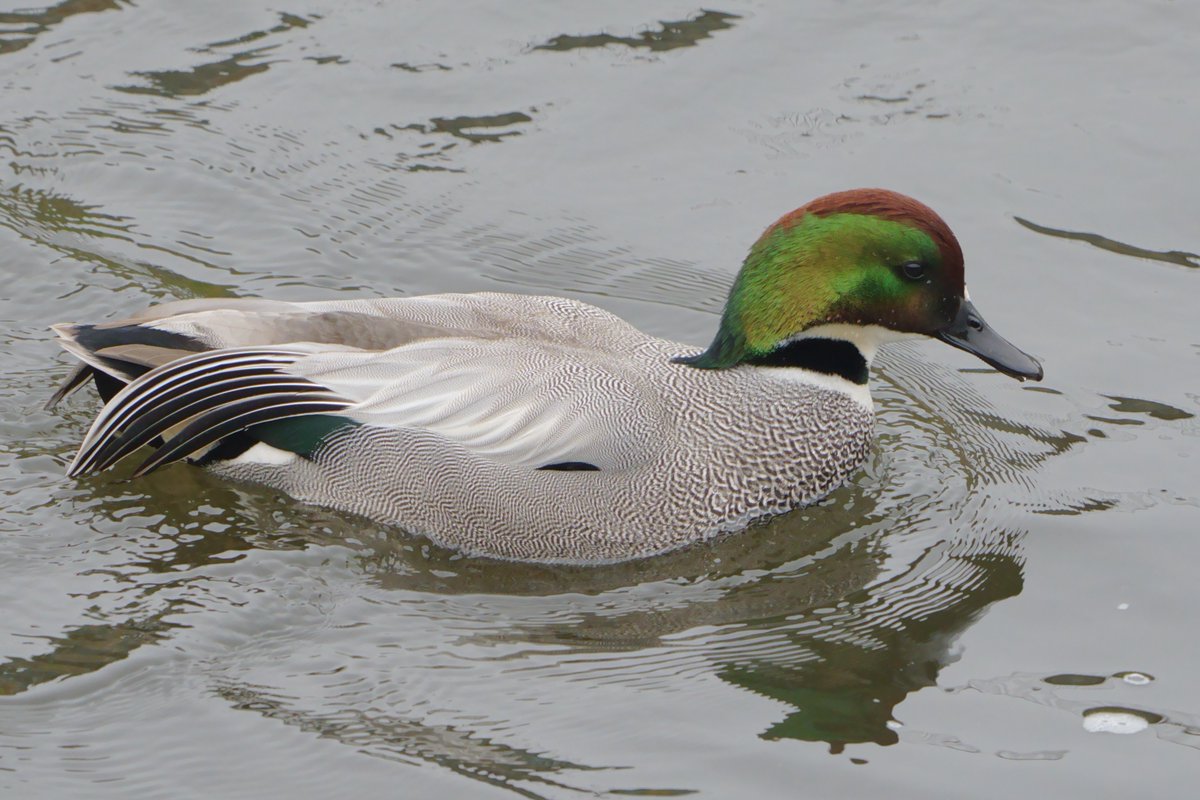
(463,397)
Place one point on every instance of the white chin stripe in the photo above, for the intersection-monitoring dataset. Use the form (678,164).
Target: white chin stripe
(867,338)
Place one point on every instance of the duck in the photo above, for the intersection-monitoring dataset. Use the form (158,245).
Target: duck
(539,428)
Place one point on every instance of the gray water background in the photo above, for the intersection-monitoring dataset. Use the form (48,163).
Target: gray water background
(941,627)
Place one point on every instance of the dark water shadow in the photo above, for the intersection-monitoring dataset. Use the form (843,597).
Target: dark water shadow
(834,643)
(848,691)
(82,650)
(1180,258)
(439,137)
(669,36)
(1151,408)
(468,128)
(452,747)
(82,232)
(432,66)
(835,629)
(205,78)
(26,25)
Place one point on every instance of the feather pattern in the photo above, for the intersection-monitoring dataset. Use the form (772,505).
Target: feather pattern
(211,395)
(453,405)
(543,413)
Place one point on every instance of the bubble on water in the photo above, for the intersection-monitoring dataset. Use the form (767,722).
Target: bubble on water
(1134,678)
(1114,722)
(1112,719)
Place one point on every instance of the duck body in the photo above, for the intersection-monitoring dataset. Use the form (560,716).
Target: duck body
(525,427)
(476,420)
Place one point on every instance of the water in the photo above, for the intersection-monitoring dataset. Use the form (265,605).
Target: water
(1006,581)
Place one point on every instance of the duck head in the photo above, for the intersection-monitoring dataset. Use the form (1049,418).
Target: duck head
(831,280)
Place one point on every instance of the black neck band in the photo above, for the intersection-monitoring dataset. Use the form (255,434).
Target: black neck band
(828,356)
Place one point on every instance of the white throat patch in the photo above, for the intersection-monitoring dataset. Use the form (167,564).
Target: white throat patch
(866,338)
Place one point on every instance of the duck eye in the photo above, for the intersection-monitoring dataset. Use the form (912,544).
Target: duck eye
(913,270)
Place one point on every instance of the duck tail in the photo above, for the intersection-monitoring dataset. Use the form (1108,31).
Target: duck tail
(113,355)
(194,403)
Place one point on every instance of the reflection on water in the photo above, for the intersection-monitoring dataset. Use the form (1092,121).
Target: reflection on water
(1180,257)
(82,232)
(865,100)
(202,79)
(878,649)
(432,67)
(457,749)
(79,651)
(27,24)
(28,210)
(466,127)
(430,155)
(1151,408)
(669,36)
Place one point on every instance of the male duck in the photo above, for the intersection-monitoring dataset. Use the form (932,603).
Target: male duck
(541,428)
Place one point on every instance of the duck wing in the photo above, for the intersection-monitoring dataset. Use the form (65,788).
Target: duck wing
(194,402)
(530,404)
(524,403)
(115,353)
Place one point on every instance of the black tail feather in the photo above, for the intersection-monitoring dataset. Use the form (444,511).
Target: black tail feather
(216,396)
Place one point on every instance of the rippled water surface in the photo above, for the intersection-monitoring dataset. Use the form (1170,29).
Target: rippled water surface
(1000,603)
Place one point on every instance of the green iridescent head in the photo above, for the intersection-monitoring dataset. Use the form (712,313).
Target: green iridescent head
(866,257)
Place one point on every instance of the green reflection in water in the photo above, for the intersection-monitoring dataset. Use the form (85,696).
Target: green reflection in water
(207,77)
(20,207)
(848,693)
(28,24)
(66,226)
(81,650)
(672,35)
(797,617)
(463,127)
(199,80)
(286,23)
(474,129)
(160,576)
(1151,408)
(1179,257)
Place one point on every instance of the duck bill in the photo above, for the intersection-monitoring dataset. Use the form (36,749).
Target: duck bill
(969,332)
